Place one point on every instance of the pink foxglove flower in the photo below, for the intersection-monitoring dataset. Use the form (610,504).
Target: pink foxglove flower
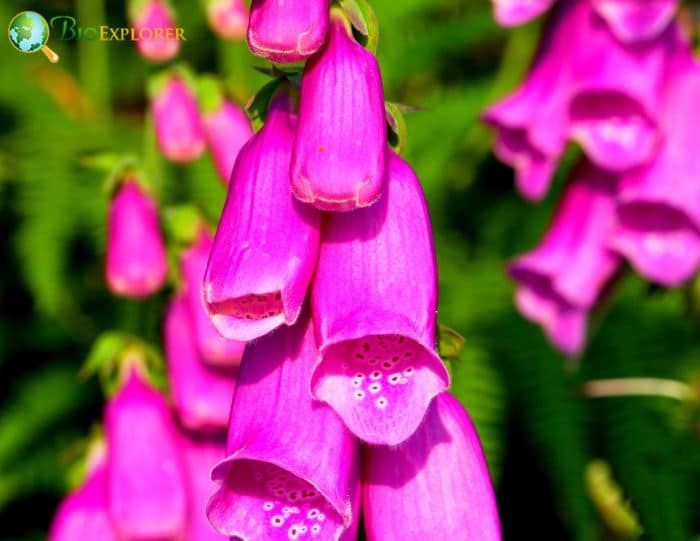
(213,348)
(435,485)
(515,12)
(227,130)
(292,468)
(228,18)
(202,397)
(636,20)
(83,514)
(659,206)
(146,484)
(561,280)
(179,127)
(136,265)
(266,244)
(287,31)
(339,159)
(374,300)
(201,454)
(154,18)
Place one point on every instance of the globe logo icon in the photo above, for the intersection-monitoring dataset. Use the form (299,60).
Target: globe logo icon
(29,33)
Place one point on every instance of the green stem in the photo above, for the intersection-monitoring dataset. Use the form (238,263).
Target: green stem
(93,59)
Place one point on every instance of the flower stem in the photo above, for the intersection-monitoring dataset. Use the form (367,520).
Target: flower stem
(605,388)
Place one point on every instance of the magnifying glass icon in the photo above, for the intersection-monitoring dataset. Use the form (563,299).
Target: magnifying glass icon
(29,32)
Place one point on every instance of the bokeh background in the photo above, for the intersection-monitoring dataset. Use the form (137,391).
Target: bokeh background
(544,438)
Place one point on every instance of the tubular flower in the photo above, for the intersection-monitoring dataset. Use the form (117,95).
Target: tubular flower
(616,95)
(287,31)
(228,18)
(532,123)
(201,454)
(339,159)
(179,127)
(636,20)
(202,397)
(266,244)
(271,484)
(136,265)
(213,348)
(376,319)
(561,280)
(154,18)
(659,207)
(227,130)
(435,485)
(146,486)
(83,514)
(516,12)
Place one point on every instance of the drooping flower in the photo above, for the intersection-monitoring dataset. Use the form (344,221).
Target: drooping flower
(292,467)
(266,244)
(146,484)
(374,300)
(636,20)
(339,159)
(136,265)
(179,127)
(201,454)
(227,130)
(83,514)
(287,31)
(213,348)
(659,206)
(202,397)
(561,280)
(516,12)
(155,18)
(228,18)
(435,485)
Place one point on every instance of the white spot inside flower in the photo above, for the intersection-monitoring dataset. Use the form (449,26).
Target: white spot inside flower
(321,517)
(403,381)
(277,521)
(394,379)
(382,402)
(313,513)
(376,375)
(268,506)
(315,529)
(359,395)
(408,372)
(374,388)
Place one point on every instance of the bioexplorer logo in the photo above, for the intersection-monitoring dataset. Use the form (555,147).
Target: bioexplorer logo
(29,32)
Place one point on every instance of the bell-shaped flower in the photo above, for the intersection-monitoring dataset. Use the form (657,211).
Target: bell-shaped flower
(228,18)
(435,485)
(636,20)
(146,484)
(266,245)
(179,127)
(202,396)
(292,467)
(83,514)
(560,281)
(659,206)
(516,12)
(213,348)
(136,265)
(154,25)
(227,129)
(287,31)
(374,300)
(339,159)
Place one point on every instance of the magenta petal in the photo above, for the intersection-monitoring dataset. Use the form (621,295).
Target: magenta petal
(266,244)
(156,14)
(146,485)
(516,12)
(228,19)
(202,397)
(339,159)
(213,348)
(83,514)
(374,300)
(292,468)
(136,265)
(435,485)
(227,130)
(561,280)
(287,31)
(636,20)
(179,127)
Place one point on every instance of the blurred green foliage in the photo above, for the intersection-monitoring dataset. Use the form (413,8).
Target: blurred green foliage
(539,432)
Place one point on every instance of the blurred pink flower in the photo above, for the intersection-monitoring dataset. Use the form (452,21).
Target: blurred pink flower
(227,130)
(156,16)
(228,18)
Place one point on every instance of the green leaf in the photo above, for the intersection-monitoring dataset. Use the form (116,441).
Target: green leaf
(450,342)
(259,103)
(397,127)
